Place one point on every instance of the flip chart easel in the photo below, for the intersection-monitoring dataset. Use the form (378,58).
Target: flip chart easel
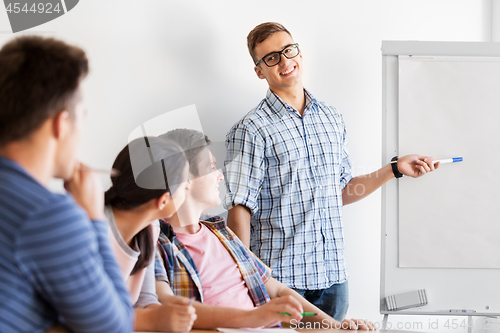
(450,282)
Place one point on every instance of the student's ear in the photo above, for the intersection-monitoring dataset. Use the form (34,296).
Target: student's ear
(164,200)
(61,125)
(259,73)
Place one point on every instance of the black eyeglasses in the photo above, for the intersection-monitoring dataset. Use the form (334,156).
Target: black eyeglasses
(274,58)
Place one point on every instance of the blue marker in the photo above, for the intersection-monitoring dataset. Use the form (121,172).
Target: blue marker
(449,160)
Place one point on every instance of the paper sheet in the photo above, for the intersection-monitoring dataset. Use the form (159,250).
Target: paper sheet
(448,108)
(256,330)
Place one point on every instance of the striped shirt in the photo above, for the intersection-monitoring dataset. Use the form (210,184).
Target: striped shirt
(175,265)
(55,264)
(290,170)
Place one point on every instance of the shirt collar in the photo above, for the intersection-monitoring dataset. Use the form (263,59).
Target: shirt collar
(279,106)
(215,221)
(167,230)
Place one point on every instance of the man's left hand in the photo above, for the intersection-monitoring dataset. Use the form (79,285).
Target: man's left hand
(416,165)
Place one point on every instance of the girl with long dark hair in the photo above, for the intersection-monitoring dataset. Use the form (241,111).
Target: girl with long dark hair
(151,183)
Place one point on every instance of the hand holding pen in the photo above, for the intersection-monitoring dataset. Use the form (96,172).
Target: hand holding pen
(86,189)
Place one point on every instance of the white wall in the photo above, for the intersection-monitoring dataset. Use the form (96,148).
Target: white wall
(495,20)
(149,57)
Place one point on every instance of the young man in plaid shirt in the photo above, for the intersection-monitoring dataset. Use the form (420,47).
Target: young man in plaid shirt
(288,175)
(206,261)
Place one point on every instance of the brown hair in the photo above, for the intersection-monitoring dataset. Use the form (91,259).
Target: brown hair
(260,33)
(38,79)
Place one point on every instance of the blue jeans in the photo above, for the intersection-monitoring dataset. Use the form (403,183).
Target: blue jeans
(334,300)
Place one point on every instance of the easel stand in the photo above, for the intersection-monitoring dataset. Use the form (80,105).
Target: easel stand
(450,285)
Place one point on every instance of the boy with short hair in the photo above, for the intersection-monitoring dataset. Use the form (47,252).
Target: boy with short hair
(56,265)
(205,260)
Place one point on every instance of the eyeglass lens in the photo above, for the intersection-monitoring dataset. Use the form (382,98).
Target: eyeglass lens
(275,57)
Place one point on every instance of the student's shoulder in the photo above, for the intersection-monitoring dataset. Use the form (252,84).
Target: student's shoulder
(27,200)
(35,217)
(58,204)
(24,194)
(55,228)
(56,213)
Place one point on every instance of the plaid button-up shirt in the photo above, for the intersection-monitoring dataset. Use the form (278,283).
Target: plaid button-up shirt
(174,265)
(290,170)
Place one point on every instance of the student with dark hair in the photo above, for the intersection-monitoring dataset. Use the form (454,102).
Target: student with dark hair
(56,264)
(151,183)
(201,257)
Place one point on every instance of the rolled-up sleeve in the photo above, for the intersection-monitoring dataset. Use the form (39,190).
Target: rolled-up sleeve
(244,167)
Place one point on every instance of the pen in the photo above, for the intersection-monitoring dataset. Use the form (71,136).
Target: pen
(191,300)
(303,314)
(111,172)
(449,160)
